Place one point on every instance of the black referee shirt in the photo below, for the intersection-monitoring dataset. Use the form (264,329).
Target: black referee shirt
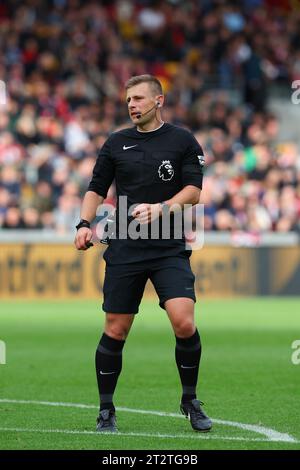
(148,167)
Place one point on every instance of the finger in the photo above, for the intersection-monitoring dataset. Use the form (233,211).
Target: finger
(144,220)
(141,208)
(80,247)
(82,243)
(87,240)
(144,212)
(88,237)
(142,215)
(137,211)
(77,243)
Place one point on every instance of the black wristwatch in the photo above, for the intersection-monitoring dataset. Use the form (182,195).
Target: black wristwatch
(83,223)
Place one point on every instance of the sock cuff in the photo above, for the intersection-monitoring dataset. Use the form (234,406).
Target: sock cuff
(111,344)
(193,342)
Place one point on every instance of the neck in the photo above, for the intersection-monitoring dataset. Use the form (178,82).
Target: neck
(150,125)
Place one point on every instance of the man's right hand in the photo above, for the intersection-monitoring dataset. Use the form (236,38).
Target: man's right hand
(83,238)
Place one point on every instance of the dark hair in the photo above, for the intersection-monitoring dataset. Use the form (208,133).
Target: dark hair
(153,82)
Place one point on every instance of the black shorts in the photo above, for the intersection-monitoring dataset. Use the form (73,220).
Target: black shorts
(124,284)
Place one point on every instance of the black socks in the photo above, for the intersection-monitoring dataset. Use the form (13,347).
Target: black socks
(108,362)
(187,354)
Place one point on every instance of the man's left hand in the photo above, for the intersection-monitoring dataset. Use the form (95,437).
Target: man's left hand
(145,213)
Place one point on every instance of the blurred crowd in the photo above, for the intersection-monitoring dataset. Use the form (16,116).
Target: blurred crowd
(63,64)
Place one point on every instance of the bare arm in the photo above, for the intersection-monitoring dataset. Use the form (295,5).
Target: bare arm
(90,203)
(188,195)
(147,212)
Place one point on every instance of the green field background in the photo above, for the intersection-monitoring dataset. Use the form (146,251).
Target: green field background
(246,375)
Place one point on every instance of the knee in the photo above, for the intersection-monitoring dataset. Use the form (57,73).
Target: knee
(184,328)
(116,329)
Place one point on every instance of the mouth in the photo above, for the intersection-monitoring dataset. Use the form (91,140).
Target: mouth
(134,114)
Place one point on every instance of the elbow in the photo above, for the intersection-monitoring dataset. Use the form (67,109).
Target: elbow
(196,200)
(195,196)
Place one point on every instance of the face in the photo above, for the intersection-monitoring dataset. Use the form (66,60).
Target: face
(140,99)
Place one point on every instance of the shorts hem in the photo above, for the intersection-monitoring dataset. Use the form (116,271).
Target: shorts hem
(113,310)
(162,302)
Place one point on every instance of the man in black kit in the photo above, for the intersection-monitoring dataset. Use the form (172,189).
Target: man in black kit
(159,168)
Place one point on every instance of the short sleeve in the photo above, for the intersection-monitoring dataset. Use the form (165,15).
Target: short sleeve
(104,171)
(193,163)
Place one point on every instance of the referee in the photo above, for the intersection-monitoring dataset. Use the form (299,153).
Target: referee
(158,167)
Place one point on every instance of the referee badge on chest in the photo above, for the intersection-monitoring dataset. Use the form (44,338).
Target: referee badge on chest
(166,171)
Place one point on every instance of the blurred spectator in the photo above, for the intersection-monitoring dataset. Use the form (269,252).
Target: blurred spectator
(65,64)
(224,220)
(42,199)
(11,181)
(13,219)
(5,201)
(31,219)
(67,211)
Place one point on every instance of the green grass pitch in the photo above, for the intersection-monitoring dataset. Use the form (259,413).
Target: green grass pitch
(246,377)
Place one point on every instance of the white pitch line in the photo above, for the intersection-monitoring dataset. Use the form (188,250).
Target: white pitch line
(48,403)
(269,433)
(136,434)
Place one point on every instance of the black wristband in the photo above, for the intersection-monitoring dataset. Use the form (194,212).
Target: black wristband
(83,223)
